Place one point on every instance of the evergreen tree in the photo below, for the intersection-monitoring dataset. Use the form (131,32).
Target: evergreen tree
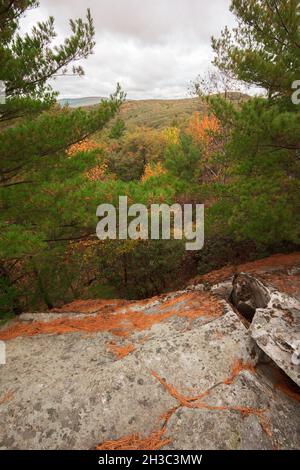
(262,202)
(44,193)
(117,130)
(264,49)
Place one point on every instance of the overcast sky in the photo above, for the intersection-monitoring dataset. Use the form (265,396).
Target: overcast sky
(154,48)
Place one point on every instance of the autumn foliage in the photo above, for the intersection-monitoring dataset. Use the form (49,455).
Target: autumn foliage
(202,129)
(84,146)
(151,170)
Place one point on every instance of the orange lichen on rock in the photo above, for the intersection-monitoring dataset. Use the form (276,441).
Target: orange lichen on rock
(144,339)
(219,275)
(237,368)
(121,321)
(193,305)
(287,283)
(197,402)
(184,401)
(155,441)
(275,261)
(7,397)
(91,306)
(120,351)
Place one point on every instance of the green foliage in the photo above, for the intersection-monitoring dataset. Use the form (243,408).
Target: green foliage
(10,13)
(134,151)
(141,269)
(27,147)
(261,201)
(247,172)
(117,130)
(263,50)
(183,159)
(159,114)
(27,62)
(221,250)
(44,192)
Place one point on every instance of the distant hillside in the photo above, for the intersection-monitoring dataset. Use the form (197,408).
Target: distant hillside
(78,102)
(153,113)
(150,113)
(160,113)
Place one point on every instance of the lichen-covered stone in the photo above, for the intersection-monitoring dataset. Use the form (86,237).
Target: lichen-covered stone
(175,372)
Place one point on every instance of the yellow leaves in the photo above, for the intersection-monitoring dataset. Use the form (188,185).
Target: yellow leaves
(171,135)
(153,169)
(97,173)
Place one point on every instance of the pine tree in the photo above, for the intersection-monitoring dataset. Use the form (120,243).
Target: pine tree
(47,200)
(264,49)
(262,202)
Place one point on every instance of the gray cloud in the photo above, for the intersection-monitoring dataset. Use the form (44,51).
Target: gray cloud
(152,47)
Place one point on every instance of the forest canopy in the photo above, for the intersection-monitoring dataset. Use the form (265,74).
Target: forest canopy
(237,154)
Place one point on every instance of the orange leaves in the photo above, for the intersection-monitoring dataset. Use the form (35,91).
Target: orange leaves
(279,261)
(206,132)
(201,129)
(91,306)
(194,305)
(84,146)
(97,173)
(158,439)
(153,170)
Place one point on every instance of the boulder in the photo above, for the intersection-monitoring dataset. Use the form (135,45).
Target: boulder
(180,371)
(276,330)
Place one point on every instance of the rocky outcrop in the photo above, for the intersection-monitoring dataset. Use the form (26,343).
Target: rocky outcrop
(248,294)
(275,320)
(209,367)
